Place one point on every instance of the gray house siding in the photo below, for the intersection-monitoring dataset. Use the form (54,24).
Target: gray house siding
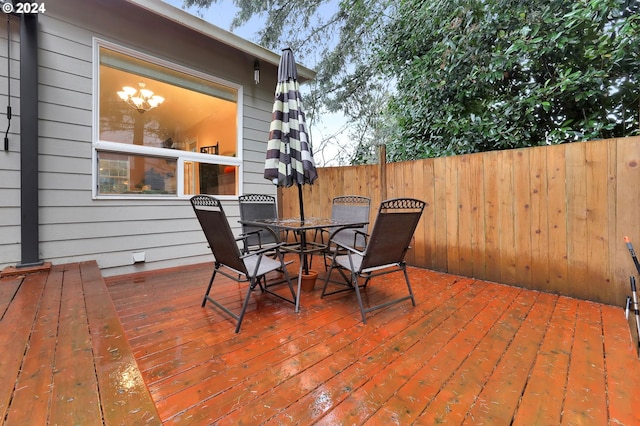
(10,159)
(73,225)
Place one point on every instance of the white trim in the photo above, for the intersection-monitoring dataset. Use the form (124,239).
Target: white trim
(117,147)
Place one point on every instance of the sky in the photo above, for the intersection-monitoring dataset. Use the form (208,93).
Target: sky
(221,14)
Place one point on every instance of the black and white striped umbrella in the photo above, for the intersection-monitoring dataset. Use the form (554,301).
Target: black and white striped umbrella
(289,156)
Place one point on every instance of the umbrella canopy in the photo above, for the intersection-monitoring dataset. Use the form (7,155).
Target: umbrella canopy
(289,157)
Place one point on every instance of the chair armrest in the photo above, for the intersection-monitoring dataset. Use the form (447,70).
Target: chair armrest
(320,231)
(262,250)
(348,248)
(273,233)
(245,236)
(364,235)
(258,232)
(342,228)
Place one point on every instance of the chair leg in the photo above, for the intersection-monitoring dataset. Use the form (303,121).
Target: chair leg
(252,285)
(324,256)
(326,280)
(357,287)
(286,277)
(366,281)
(204,299)
(262,283)
(406,277)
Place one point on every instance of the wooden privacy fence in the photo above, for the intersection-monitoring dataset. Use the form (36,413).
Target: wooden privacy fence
(548,218)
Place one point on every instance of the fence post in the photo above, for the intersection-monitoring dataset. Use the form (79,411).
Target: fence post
(382,165)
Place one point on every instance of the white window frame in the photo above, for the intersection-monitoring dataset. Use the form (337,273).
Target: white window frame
(178,155)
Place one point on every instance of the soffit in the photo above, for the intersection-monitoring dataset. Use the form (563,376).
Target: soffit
(201,26)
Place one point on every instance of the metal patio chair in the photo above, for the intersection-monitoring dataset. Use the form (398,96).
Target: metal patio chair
(248,267)
(259,206)
(351,208)
(384,253)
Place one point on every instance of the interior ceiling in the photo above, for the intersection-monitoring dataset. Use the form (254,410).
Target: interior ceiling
(181,109)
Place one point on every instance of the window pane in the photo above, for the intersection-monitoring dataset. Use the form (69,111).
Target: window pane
(212,179)
(194,113)
(135,174)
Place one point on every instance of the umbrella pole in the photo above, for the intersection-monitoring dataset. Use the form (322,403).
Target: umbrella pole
(303,254)
(303,234)
(301,203)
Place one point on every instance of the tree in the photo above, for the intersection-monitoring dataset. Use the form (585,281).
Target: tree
(495,74)
(440,77)
(338,39)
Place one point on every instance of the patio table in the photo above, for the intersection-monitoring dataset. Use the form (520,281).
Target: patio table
(303,247)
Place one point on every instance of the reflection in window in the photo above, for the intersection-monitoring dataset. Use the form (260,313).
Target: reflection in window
(191,136)
(206,178)
(193,108)
(135,174)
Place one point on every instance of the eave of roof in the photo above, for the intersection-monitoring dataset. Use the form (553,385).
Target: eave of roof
(195,23)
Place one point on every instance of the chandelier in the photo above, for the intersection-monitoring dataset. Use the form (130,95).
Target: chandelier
(141,100)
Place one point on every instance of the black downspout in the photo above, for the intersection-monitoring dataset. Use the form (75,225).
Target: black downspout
(29,203)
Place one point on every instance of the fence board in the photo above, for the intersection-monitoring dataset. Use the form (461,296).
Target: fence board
(376,198)
(539,219)
(348,186)
(613,291)
(440,214)
(549,218)
(522,216)
(465,233)
(557,218)
(506,218)
(428,223)
(420,189)
(452,212)
(597,271)
(478,232)
(577,219)
(492,216)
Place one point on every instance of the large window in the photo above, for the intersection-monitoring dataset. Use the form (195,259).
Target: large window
(163,130)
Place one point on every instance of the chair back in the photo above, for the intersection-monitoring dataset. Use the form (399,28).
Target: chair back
(216,229)
(257,206)
(353,208)
(392,232)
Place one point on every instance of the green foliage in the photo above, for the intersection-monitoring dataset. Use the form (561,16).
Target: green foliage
(441,77)
(477,76)
(338,39)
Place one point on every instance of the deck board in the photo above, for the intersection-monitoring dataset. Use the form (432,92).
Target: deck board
(470,352)
(65,358)
(30,402)
(541,402)
(585,402)
(8,290)
(20,314)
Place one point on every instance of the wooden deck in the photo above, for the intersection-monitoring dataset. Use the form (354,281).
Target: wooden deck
(65,359)
(470,352)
